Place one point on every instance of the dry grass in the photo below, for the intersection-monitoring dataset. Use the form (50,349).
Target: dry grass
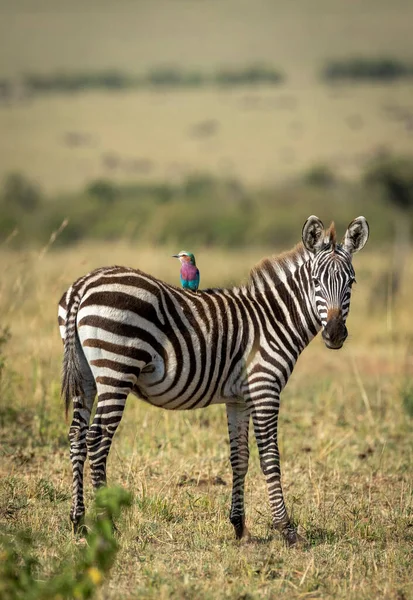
(257,136)
(345,440)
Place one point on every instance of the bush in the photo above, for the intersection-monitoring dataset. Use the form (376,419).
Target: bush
(174,77)
(103,190)
(367,69)
(394,174)
(18,580)
(75,82)
(203,209)
(198,185)
(18,191)
(163,76)
(319,176)
(257,74)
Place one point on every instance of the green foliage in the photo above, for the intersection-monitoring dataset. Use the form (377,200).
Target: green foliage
(173,77)
(395,176)
(21,193)
(206,210)
(103,190)
(384,69)
(161,76)
(319,176)
(76,81)
(256,74)
(19,566)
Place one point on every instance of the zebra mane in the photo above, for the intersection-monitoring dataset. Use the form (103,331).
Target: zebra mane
(331,236)
(281,265)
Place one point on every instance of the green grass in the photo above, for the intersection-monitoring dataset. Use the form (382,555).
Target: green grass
(345,440)
(201,210)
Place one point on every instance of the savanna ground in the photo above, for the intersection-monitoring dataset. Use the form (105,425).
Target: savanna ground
(345,440)
(259,135)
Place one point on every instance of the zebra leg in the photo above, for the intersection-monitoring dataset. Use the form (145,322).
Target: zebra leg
(238,424)
(77,436)
(265,420)
(99,437)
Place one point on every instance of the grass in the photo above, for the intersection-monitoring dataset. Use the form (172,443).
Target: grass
(201,210)
(255,135)
(345,437)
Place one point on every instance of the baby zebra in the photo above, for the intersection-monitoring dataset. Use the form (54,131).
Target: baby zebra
(127,332)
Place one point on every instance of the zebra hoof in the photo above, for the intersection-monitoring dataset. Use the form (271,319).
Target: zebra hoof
(79,527)
(292,538)
(241,532)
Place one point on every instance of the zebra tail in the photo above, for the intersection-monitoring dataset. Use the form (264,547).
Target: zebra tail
(71,370)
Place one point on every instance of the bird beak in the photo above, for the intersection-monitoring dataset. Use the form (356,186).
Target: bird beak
(175,255)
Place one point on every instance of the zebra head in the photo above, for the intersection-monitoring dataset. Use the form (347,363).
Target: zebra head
(332,274)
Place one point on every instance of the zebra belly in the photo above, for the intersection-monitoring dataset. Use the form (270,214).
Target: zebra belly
(177,404)
(170,387)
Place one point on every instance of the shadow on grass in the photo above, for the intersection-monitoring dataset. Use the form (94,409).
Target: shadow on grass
(313,536)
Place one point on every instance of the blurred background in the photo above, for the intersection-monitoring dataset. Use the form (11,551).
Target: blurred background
(203,122)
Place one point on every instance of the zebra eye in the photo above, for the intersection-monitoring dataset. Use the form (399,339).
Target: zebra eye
(316,281)
(352,281)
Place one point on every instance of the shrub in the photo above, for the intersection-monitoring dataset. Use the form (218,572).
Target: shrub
(199,184)
(77,81)
(18,191)
(319,176)
(166,76)
(203,209)
(18,564)
(250,75)
(370,69)
(103,190)
(395,175)
(162,76)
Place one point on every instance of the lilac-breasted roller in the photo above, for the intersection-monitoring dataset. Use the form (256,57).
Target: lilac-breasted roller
(189,271)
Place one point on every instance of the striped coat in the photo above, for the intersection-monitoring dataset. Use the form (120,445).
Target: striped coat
(126,332)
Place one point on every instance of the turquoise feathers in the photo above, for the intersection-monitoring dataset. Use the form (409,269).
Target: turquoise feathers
(189,272)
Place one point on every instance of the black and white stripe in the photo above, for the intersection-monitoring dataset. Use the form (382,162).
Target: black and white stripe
(126,332)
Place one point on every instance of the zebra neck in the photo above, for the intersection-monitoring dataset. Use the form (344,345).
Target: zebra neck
(288,296)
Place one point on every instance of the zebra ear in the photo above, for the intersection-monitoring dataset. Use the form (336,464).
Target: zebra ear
(313,234)
(356,235)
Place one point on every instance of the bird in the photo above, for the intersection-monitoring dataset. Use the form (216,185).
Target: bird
(189,271)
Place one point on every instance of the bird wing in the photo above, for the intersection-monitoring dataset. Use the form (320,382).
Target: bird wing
(190,278)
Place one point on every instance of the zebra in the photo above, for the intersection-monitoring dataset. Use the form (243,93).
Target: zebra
(125,331)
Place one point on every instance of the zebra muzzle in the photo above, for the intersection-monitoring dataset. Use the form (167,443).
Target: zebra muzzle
(335,333)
